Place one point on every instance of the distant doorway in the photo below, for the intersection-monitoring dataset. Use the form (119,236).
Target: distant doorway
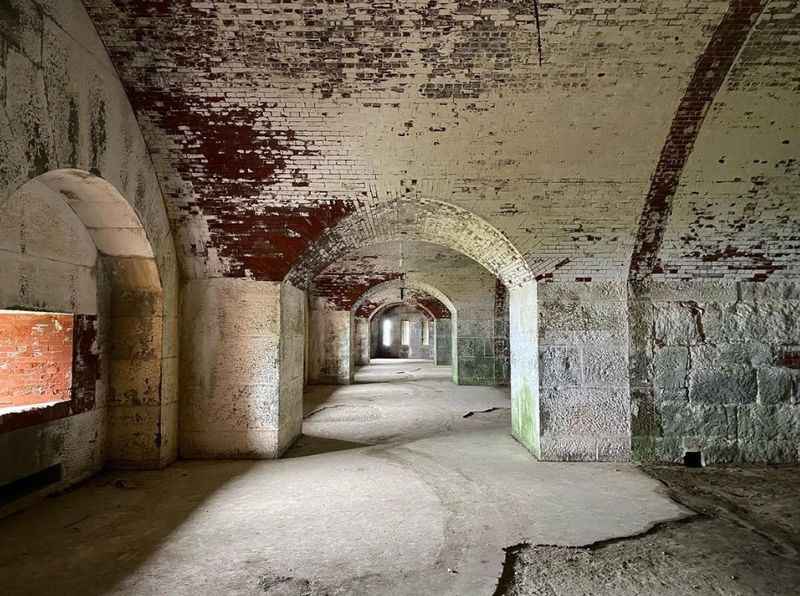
(401,331)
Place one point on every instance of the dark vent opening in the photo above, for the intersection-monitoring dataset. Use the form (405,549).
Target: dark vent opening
(27,485)
(693,459)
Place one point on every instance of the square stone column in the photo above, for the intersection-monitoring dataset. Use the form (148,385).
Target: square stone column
(361,342)
(241,368)
(330,352)
(583,368)
(524,338)
(443,340)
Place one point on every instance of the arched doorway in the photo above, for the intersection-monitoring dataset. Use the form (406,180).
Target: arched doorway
(464,232)
(438,305)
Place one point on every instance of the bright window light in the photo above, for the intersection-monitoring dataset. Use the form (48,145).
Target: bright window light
(35,359)
(406,333)
(387,333)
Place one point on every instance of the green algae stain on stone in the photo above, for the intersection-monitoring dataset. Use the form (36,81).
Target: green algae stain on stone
(643,449)
(98,133)
(73,131)
(524,419)
(36,153)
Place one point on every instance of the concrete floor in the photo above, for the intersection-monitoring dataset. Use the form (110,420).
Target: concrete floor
(392,490)
(744,541)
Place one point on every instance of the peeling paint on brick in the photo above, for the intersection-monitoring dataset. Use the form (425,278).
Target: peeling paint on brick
(710,71)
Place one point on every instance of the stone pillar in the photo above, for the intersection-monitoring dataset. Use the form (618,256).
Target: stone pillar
(442,341)
(135,332)
(329,349)
(362,341)
(242,368)
(524,338)
(584,382)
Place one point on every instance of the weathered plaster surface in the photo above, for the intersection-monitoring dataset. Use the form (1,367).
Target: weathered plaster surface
(241,368)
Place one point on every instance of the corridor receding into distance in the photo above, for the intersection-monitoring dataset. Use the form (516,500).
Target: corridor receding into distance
(403,483)
(402,297)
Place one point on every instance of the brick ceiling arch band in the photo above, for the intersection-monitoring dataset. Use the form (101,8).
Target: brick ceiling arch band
(390,305)
(390,286)
(386,297)
(422,220)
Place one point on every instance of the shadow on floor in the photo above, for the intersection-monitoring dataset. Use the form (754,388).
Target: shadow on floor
(115,523)
(310,445)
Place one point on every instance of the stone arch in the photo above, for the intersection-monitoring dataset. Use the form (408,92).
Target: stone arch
(440,354)
(425,220)
(458,229)
(405,283)
(120,360)
(386,305)
(415,284)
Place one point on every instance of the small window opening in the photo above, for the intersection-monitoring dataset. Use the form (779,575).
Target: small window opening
(406,330)
(387,333)
(35,359)
(693,459)
(426,332)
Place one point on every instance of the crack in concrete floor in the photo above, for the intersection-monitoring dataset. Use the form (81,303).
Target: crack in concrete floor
(740,541)
(484,411)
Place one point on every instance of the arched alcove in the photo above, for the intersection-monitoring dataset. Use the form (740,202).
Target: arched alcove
(73,244)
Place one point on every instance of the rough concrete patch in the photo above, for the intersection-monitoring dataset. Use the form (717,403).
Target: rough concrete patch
(286,586)
(743,542)
(517,552)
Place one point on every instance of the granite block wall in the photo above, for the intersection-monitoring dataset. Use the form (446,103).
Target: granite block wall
(583,371)
(482,351)
(715,367)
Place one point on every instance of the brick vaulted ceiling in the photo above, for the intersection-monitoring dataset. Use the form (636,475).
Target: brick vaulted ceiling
(584,131)
(345,281)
